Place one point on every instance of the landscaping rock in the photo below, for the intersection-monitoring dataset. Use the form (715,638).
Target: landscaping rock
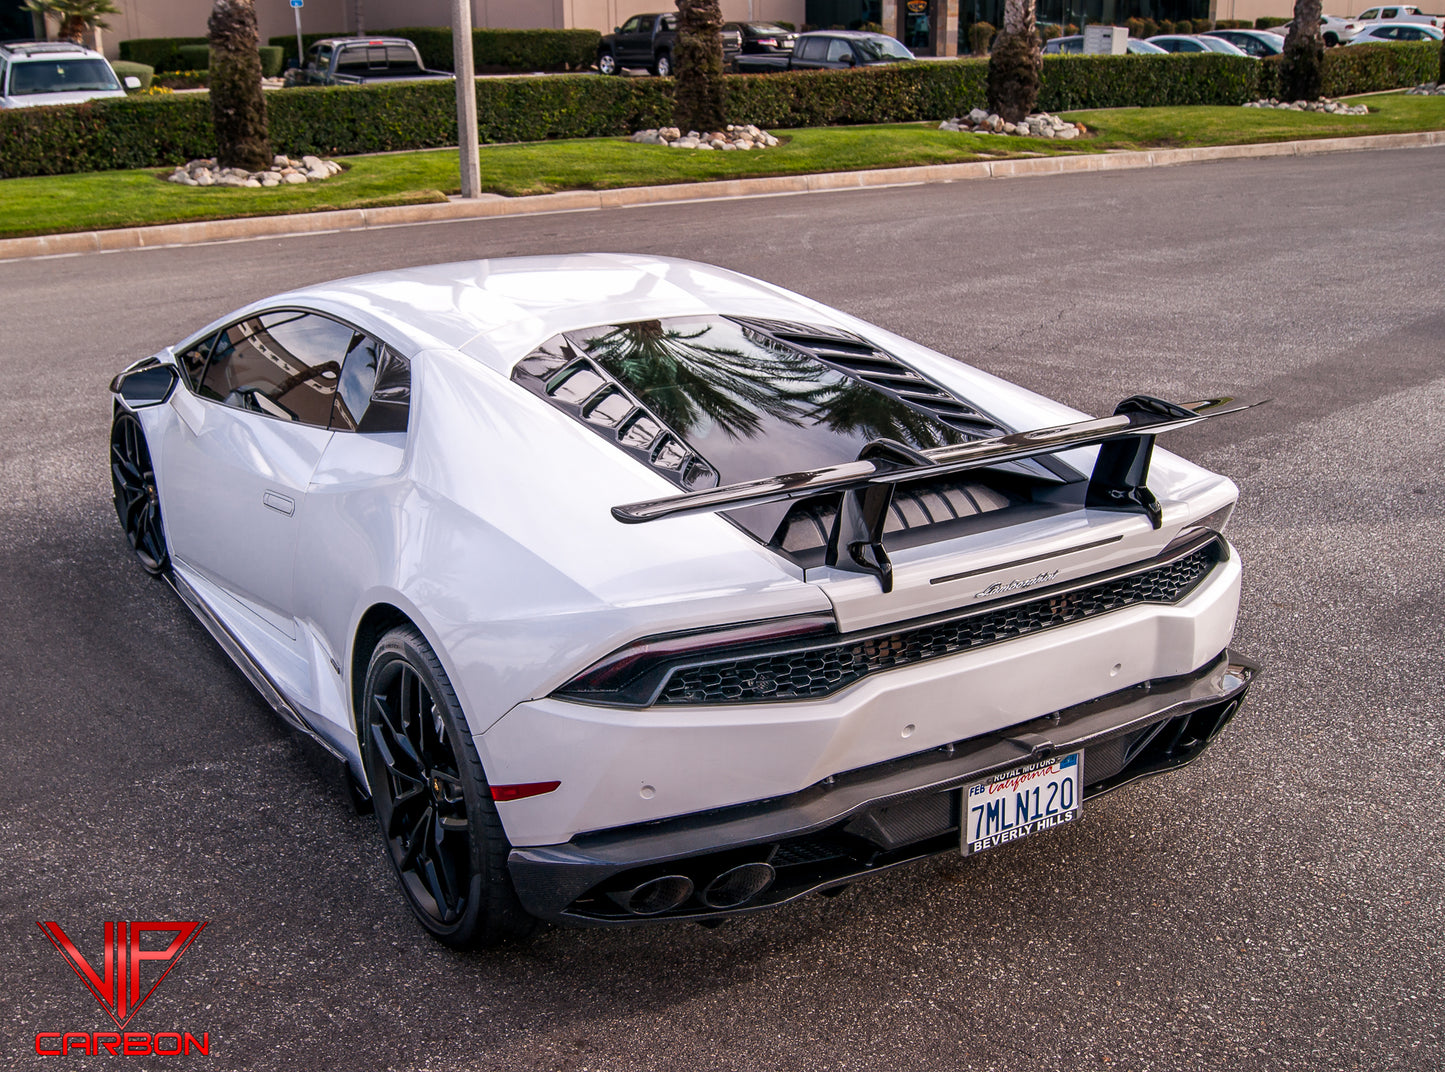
(1330,107)
(734,138)
(1426,89)
(283,170)
(1042,125)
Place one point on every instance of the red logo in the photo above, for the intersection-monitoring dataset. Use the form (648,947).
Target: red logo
(118,987)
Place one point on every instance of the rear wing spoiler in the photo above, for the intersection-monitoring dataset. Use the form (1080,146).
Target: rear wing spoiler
(1117,482)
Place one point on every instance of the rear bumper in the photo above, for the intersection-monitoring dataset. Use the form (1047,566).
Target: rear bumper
(868,820)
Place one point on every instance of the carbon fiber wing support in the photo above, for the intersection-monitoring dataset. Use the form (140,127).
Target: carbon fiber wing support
(1118,481)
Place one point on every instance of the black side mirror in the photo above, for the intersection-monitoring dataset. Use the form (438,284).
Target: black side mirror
(850,60)
(147,386)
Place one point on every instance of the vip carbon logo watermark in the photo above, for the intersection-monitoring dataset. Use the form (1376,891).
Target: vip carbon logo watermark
(120,987)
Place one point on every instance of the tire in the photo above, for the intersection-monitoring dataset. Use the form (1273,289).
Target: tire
(432,801)
(137,503)
(663,65)
(607,64)
(1331,40)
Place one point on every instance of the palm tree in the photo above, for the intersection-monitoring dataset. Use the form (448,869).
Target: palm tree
(1014,66)
(74,16)
(238,108)
(1301,68)
(698,104)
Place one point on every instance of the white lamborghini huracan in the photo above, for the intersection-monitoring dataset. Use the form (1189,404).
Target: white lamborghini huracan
(629,588)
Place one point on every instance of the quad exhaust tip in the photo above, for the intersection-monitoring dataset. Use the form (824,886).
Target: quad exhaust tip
(738,886)
(655,896)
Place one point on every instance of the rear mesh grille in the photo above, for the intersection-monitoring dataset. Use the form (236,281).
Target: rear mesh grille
(819,671)
(859,358)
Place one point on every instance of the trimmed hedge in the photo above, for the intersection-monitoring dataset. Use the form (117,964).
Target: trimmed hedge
(198,58)
(194,57)
(1072,83)
(492,50)
(1268,22)
(152,131)
(145,72)
(1363,68)
(162,53)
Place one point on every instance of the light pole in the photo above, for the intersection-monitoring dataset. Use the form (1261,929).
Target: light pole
(471,165)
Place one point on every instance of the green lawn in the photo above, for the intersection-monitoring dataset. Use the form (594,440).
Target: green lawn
(126,198)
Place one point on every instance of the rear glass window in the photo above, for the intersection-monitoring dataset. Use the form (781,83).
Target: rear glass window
(711,401)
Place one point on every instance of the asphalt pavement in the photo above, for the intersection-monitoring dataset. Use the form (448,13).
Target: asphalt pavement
(1278,905)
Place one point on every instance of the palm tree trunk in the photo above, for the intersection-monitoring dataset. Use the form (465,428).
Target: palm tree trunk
(698,104)
(1301,69)
(1014,66)
(238,107)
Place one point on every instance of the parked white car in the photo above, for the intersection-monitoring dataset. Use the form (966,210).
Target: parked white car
(1256,43)
(1385,33)
(1185,43)
(55,72)
(631,588)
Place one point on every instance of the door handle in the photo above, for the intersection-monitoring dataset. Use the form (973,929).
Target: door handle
(278,502)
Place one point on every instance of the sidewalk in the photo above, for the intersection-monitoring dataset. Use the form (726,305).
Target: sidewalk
(493,205)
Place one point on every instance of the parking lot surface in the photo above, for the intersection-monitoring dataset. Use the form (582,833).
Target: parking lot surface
(1280,904)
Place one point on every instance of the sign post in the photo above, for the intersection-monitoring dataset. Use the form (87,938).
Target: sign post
(300,52)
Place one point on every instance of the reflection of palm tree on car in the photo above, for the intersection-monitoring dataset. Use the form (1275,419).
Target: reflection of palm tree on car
(685,382)
(852,408)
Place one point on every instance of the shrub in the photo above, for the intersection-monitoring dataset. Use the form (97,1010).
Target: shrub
(159,52)
(184,79)
(980,36)
(1265,22)
(124,69)
(492,50)
(1364,68)
(195,57)
(1077,82)
(271,56)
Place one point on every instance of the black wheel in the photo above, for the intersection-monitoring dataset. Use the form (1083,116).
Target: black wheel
(432,800)
(1331,40)
(133,478)
(607,64)
(663,67)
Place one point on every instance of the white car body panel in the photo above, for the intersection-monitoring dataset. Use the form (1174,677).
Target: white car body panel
(488,525)
(693,758)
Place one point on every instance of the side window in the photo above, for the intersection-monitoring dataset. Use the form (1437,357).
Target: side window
(1372,13)
(283,364)
(839,51)
(812,49)
(1390,13)
(374,394)
(669,22)
(193,361)
(632,25)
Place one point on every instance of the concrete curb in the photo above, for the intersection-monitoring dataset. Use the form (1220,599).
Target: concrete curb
(492,206)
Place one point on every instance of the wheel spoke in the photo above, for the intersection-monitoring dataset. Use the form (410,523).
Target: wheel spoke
(415,841)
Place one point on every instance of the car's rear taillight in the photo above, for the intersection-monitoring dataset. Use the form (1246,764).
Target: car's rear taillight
(771,42)
(633,675)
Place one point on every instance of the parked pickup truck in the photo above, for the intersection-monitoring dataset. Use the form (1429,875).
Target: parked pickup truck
(829,50)
(648,41)
(1401,13)
(351,61)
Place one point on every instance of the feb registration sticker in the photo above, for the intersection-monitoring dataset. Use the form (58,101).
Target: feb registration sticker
(1022,801)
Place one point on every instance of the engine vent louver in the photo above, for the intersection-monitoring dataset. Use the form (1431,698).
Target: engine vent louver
(856,356)
(585,391)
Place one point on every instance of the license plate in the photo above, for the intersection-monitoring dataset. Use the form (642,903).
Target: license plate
(1025,800)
